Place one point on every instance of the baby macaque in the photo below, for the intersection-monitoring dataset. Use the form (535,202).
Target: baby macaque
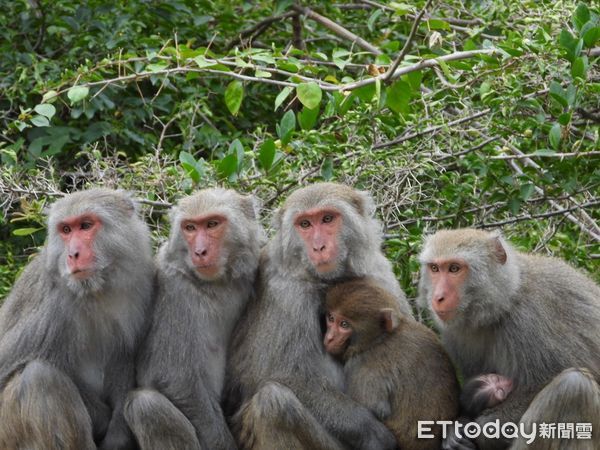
(483,392)
(393,365)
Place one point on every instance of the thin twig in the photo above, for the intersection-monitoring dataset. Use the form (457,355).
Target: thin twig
(413,31)
(337,29)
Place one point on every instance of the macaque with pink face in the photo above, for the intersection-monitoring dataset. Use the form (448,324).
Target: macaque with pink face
(483,392)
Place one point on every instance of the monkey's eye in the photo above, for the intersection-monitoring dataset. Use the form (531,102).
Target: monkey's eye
(344,324)
(327,218)
(454,268)
(66,229)
(85,225)
(212,223)
(190,227)
(434,267)
(330,317)
(304,223)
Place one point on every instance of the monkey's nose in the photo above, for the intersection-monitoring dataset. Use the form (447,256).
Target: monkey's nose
(320,249)
(202,252)
(74,255)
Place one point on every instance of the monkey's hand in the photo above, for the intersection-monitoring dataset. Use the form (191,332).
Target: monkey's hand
(456,441)
(376,437)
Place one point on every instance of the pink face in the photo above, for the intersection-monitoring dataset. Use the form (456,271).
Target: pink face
(204,236)
(319,229)
(78,234)
(338,332)
(447,277)
(497,387)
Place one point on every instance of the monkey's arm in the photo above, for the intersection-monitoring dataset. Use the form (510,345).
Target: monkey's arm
(346,419)
(118,383)
(369,390)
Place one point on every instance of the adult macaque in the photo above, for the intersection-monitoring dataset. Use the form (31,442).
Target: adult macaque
(483,392)
(501,311)
(71,325)
(288,387)
(206,273)
(394,366)
(576,395)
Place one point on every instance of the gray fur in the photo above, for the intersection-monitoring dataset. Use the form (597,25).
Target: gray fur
(182,363)
(528,319)
(78,335)
(279,339)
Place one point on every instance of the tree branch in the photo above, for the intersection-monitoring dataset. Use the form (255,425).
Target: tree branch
(337,29)
(413,31)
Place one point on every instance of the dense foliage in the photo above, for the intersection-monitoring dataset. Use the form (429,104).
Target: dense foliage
(458,113)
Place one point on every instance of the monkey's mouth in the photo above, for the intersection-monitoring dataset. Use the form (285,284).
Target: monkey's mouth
(445,316)
(81,274)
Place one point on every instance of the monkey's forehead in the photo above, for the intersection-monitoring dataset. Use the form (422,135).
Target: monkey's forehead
(99,201)
(456,243)
(212,199)
(323,194)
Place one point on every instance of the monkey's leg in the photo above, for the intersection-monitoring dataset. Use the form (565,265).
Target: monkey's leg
(157,424)
(572,397)
(274,418)
(40,408)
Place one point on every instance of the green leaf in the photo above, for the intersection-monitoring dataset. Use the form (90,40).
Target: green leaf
(237,148)
(77,93)
(591,36)
(227,166)
(327,168)
(262,74)
(558,93)
(50,97)
(515,205)
(526,191)
(307,118)
(365,93)
(309,94)
(282,96)
(156,67)
(581,16)
(203,62)
(40,121)
(25,231)
(565,118)
(234,94)
(286,127)
(266,154)
(415,79)
(398,97)
(579,67)
(45,110)
(373,18)
(554,136)
(189,164)
(437,24)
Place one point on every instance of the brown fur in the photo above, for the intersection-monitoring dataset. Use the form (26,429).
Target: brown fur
(403,376)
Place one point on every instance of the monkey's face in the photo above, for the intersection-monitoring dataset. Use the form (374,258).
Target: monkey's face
(319,230)
(496,388)
(447,278)
(205,236)
(337,337)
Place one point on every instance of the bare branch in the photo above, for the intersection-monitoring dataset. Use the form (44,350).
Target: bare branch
(413,31)
(337,29)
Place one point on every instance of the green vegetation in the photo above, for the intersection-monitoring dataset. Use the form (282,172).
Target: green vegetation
(476,113)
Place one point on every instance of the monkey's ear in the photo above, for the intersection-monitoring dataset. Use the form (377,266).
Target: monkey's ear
(389,319)
(364,204)
(250,207)
(499,251)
